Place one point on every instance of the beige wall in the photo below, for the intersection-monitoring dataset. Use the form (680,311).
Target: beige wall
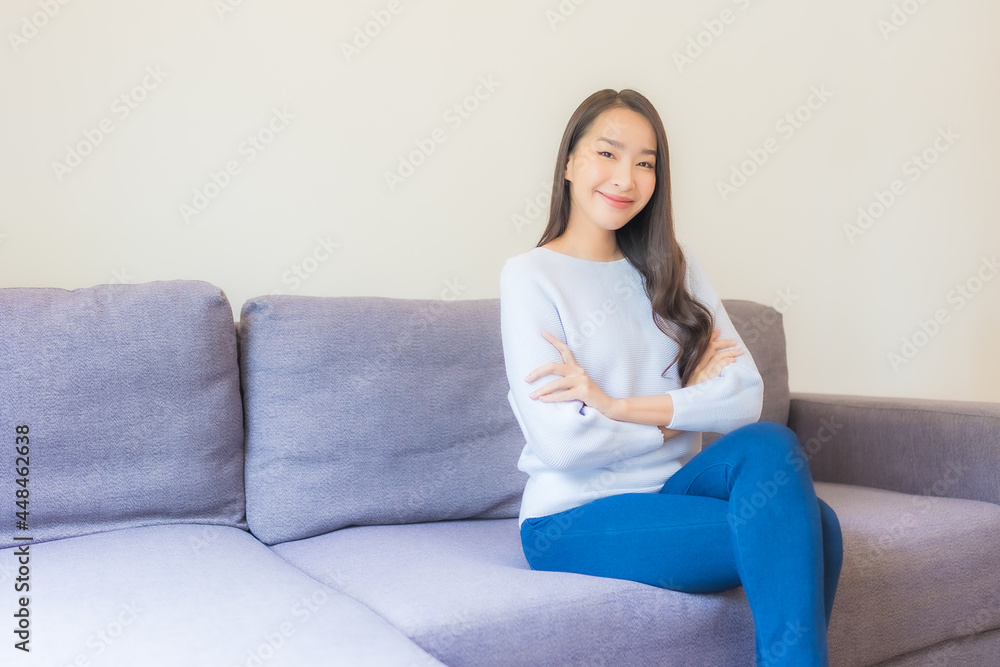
(165,98)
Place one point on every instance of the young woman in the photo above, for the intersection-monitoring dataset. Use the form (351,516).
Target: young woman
(610,333)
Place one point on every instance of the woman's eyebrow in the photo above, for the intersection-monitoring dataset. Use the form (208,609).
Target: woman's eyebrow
(620,146)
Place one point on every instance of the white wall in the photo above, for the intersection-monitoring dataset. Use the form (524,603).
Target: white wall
(447,228)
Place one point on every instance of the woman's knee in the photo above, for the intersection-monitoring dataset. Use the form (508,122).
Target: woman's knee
(770,438)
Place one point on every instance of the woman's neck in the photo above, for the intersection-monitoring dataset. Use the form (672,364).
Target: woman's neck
(594,250)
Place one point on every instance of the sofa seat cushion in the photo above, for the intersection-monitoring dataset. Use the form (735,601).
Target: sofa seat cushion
(463,591)
(918,570)
(185,594)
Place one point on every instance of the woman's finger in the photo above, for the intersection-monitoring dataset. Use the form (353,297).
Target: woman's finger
(544,392)
(724,359)
(723,343)
(551,367)
(727,354)
(564,352)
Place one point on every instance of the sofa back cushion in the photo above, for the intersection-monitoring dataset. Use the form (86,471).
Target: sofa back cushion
(130,396)
(372,410)
(762,330)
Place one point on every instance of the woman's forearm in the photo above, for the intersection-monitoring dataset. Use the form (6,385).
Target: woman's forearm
(655,410)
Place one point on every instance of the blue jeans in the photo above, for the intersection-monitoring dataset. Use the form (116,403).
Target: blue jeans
(743,511)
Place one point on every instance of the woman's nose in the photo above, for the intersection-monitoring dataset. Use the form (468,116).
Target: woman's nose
(622,176)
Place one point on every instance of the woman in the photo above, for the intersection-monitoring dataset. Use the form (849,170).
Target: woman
(610,333)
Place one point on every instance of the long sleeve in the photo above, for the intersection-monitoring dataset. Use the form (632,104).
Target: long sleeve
(564,435)
(730,400)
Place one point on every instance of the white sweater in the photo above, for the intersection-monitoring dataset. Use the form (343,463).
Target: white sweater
(573,454)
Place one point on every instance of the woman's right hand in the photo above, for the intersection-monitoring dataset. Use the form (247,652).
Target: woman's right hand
(714,359)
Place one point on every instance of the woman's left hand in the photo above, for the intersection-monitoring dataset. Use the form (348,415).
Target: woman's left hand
(575,383)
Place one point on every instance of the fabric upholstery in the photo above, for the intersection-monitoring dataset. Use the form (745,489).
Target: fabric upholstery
(191,595)
(370,410)
(762,330)
(350,396)
(911,445)
(463,591)
(132,400)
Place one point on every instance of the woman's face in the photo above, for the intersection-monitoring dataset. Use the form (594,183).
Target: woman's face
(611,169)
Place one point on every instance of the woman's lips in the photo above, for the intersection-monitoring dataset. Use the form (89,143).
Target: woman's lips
(615,202)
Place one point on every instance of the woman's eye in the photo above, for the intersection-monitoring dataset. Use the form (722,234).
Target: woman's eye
(605,153)
(647,164)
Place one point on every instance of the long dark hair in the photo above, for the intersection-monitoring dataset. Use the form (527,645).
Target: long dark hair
(647,240)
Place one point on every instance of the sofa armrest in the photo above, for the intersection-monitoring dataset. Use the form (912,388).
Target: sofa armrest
(919,446)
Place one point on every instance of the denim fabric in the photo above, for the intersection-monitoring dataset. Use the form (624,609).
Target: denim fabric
(743,511)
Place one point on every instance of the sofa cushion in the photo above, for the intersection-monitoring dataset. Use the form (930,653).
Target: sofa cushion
(918,571)
(762,330)
(371,410)
(131,397)
(395,410)
(191,595)
(463,591)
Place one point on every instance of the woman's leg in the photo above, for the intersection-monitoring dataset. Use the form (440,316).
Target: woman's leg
(788,542)
(696,536)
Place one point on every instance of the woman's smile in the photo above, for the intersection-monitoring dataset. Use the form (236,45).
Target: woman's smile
(614,201)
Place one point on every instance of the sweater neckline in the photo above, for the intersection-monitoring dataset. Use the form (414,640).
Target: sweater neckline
(580,259)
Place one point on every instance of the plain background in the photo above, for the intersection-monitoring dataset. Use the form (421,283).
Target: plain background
(315,198)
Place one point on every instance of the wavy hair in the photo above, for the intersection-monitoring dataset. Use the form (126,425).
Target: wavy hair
(647,240)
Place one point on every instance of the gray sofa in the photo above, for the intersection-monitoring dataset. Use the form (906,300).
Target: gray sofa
(333,481)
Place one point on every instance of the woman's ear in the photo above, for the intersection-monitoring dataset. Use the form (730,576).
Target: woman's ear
(569,165)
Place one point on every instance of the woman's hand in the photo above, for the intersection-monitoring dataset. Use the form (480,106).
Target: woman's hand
(714,359)
(575,383)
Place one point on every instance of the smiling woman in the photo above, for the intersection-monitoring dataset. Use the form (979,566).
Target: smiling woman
(611,339)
